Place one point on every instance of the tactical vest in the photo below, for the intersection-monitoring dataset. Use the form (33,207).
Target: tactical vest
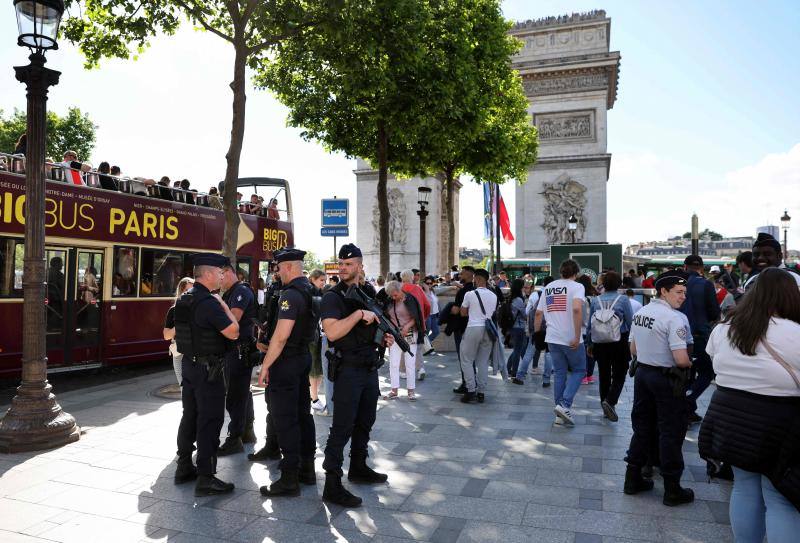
(249,316)
(361,338)
(307,323)
(192,340)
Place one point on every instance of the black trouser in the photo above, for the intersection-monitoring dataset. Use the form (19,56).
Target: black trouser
(239,401)
(203,415)
(355,401)
(612,363)
(290,403)
(702,369)
(654,401)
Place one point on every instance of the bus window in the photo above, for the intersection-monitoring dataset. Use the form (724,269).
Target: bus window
(125,271)
(56,295)
(160,272)
(243,270)
(12,252)
(263,271)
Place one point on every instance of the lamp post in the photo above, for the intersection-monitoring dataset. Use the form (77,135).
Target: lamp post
(785,225)
(572,222)
(423,193)
(35,421)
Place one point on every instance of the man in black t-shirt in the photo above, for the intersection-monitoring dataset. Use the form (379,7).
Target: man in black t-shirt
(467,275)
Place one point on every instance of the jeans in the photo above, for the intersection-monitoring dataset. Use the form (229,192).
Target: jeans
(328,382)
(531,354)
(396,355)
(519,341)
(548,367)
(565,358)
(757,509)
(432,326)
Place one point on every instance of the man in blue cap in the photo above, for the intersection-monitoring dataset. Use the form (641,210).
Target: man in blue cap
(203,326)
(351,331)
(285,368)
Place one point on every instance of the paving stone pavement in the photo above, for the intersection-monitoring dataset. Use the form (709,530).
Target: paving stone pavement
(500,471)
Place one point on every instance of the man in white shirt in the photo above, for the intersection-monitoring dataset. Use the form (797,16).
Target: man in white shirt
(562,300)
(635,304)
(476,345)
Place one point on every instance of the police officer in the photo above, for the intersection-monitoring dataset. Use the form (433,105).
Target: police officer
(351,331)
(285,367)
(239,363)
(203,324)
(270,450)
(659,341)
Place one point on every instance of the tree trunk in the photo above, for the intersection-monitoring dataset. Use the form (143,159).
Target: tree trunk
(230,241)
(451,218)
(383,199)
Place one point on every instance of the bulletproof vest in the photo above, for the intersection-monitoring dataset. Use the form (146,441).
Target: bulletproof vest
(307,323)
(250,314)
(192,340)
(271,309)
(361,336)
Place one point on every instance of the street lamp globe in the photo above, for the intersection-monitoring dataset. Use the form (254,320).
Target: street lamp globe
(785,220)
(572,222)
(38,22)
(423,193)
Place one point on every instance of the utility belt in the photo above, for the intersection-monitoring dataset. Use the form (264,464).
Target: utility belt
(678,377)
(215,364)
(248,352)
(337,360)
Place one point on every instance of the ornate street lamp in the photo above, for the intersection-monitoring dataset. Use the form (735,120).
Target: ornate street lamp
(785,225)
(572,222)
(423,193)
(35,421)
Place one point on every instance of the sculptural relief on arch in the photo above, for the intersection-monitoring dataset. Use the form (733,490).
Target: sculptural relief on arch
(570,77)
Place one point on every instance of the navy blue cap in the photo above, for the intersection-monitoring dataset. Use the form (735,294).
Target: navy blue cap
(693,260)
(210,259)
(767,240)
(288,254)
(670,278)
(349,251)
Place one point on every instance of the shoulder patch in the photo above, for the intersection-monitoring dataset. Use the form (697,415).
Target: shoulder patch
(681,332)
(285,305)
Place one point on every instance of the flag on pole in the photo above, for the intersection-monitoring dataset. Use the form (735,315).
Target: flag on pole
(505,222)
(487,212)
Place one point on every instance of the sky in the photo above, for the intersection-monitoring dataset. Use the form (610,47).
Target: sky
(706,119)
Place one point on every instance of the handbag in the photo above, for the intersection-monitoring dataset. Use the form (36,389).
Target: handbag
(488,323)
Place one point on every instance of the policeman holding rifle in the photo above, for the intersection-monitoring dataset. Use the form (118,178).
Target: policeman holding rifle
(661,369)
(203,326)
(352,330)
(240,359)
(285,368)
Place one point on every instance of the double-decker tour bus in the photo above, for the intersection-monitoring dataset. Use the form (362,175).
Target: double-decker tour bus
(114,259)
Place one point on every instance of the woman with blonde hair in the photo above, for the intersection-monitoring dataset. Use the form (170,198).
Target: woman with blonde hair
(169,327)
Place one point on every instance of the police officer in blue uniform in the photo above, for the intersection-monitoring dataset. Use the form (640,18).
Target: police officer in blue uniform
(285,367)
(203,326)
(353,367)
(240,359)
(659,341)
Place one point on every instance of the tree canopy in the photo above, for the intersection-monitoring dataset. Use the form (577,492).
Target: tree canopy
(75,131)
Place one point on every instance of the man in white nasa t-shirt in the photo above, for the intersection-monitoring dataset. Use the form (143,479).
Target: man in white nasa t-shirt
(562,301)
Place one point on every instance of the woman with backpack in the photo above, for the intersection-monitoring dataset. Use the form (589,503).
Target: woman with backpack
(610,320)
(518,321)
(591,294)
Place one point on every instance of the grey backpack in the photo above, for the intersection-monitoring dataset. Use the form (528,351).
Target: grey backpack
(605,323)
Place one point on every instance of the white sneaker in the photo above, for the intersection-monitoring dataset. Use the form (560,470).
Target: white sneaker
(317,405)
(564,414)
(558,422)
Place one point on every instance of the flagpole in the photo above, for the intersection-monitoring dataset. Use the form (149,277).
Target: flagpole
(491,228)
(498,261)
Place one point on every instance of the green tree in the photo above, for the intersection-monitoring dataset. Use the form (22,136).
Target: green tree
(310,262)
(358,85)
(110,28)
(75,131)
(705,234)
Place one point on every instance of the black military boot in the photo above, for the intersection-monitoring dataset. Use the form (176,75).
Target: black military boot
(249,435)
(208,485)
(308,475)
(186,471)
(361,473)
(469,397)
(674,494)
(287,485)
(634,482)
(334,492)
(270,451)
(232,445)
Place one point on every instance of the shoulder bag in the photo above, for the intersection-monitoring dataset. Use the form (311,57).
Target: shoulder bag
(488,323)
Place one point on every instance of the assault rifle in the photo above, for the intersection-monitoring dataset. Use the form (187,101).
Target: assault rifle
(384,325)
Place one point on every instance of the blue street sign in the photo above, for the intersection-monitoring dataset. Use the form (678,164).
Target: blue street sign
(335,213)
(338,232)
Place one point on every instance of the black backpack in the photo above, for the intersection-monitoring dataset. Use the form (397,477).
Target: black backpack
(506,316)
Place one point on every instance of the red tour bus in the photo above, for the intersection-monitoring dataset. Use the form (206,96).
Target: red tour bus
(115,258)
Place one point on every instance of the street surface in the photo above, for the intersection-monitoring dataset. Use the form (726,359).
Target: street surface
(457,473)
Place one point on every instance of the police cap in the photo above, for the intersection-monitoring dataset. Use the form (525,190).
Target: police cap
(669,279)
(210,259)
(288,254)
(693,260)
(349,251)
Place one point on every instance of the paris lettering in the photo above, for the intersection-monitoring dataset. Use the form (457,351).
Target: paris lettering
(145,225)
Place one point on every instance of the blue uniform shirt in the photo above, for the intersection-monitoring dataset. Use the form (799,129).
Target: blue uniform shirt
(240,297)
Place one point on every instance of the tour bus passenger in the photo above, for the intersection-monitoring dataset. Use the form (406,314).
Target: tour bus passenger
(272,210)
(185,186)
(22,145)
(106,181)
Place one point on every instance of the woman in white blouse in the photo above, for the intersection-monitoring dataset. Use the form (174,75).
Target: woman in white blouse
(753,421)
